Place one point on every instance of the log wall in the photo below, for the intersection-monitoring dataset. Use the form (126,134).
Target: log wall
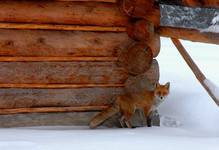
(61,56)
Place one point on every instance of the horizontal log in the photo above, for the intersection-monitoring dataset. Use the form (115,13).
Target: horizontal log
(51,109)
(193,3)
(189,34)
(25,26)
(53,119)
(79,98)
(78,13)
(53,59)
(201,3)
(56,86)
(41,43)
(61,73)
(107,1)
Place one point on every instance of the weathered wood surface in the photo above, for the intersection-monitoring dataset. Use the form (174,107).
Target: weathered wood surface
(61,72)
(6,111)
(89,13)
(189,34)
(28,98)
(141,9)
(201,3)
(52,119)
(107,1)
(61,43)
(192,3)
(32,26)
(136,59)
(144,81)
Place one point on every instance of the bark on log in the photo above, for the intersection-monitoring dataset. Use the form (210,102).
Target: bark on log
(144,81)
(144,32)
(107,1)
(142,9)
(136,59)
(51,109)
(62,73)
(89,13)
(28,98)
(40,43)
(201,3)
(75,96)
(52,119)
(32,26)
(189,34)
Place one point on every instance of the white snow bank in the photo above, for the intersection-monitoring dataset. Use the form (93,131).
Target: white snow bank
(82,138)
(214,88)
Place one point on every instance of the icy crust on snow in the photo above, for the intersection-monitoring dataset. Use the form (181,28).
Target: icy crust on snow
(214,88)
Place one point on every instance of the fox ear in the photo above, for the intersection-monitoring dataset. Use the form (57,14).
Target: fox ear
(157,84)
(167,85)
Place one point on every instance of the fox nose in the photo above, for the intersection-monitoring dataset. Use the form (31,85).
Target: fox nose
(161,97)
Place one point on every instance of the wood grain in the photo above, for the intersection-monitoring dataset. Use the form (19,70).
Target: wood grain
(51,109)
(61,73)
(78,13)
(60,27)
(40,43)
(189,34)
(107,1)
(28,98)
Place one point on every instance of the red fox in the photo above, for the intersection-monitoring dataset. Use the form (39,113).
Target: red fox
(127,104)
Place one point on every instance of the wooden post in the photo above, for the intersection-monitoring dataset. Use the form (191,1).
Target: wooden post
(199,75)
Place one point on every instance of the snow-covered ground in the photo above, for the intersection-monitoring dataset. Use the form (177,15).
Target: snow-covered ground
(190,119)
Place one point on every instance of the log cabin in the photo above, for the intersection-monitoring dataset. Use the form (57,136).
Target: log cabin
(64,60)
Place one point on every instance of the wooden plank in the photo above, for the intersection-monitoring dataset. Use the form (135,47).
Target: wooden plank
(78,13)
(52,119)
(193,3)
(53,59)
(28,98)
(61,73)
(189,34)
(107,1)
(43,43)
(55,86)
(25,26)
(51,109)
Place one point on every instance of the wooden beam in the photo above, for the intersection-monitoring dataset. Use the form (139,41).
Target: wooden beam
(53,12)
(44,43)
(189,34)
(31,26)
(201,3)
(52,109)
(192,3)
(59,86)
(106,1)
(54,59)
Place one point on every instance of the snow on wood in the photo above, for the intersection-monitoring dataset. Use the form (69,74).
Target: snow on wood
(214,88)
(215,25)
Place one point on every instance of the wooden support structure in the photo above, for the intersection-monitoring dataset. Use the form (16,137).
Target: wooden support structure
(199,75)
(189,34)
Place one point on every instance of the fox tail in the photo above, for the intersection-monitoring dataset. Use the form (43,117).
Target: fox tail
(102,116)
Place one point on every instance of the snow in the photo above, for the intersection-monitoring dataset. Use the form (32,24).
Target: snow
(215,25)
(214,88)
(189,119)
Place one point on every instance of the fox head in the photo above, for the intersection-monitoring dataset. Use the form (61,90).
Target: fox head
(161,91)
